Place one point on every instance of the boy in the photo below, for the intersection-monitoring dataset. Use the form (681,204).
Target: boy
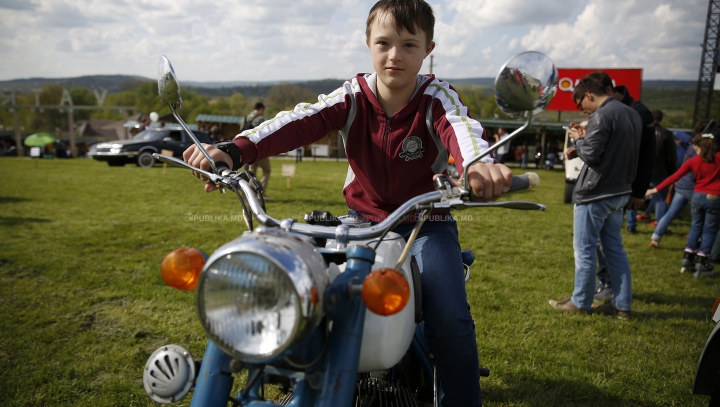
(393,156)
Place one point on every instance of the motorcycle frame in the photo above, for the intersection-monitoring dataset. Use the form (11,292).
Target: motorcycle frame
(339,363)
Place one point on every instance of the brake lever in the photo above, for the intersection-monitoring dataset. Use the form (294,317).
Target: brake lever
(214,178)
(520,205)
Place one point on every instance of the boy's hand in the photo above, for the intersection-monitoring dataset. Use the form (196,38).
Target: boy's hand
(196,158)
(489,181)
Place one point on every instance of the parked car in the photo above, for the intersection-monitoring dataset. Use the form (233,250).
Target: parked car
(140,148)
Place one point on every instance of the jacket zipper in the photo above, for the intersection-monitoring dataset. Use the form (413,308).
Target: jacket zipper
(386,141)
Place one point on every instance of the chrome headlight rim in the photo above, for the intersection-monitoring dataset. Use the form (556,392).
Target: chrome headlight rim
(229,349)
(308,283)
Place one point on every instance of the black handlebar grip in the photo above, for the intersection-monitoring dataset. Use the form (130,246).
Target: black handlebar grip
(221,165)
(524,181)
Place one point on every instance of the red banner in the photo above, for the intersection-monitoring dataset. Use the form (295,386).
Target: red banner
(568,78)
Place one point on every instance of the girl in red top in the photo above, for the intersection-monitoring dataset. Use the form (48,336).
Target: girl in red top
(705,204)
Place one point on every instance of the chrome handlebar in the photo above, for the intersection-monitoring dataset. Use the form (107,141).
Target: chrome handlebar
(456,198)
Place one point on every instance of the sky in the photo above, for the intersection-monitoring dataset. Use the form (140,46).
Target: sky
(271,40)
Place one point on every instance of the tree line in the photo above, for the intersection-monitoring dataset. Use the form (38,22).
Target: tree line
(677,104)
(144,97)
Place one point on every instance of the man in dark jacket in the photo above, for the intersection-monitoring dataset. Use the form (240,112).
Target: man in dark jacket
(609,147)
(646,163)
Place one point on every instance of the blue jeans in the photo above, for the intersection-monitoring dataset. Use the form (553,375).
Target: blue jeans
(592,222)
(449,327)
(679,200)
(658,200)
(705,223)
(631,218)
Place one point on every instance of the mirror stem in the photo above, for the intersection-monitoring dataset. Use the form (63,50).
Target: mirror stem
(466,181)
(194,139)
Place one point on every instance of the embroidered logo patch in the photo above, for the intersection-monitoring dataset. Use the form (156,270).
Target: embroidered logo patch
(412,148)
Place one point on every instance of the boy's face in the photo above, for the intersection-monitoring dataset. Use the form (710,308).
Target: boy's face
(396,57)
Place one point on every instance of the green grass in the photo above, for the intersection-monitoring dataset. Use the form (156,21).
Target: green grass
(83,304)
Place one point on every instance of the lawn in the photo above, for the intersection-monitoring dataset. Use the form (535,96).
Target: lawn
(83,304)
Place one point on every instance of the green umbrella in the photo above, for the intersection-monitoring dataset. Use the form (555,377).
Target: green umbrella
(39,140)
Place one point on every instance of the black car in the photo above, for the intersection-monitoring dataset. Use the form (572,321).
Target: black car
(140,148)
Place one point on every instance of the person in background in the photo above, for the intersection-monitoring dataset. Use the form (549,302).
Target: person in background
(550,158)
(645,163)
(502,152)
(705,204)
(524,156)
(538,155)
(253,120)
(646,157)
(682,195)
(609,147)
(144,123)
(682,143)
(214,133)
(665,164)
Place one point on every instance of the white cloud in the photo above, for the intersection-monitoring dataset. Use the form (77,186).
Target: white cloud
(492,13)
(660,37)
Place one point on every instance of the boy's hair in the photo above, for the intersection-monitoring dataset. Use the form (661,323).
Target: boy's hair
(259,106)
(409,15)
(588,84)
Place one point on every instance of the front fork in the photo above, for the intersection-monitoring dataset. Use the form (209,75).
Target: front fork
(214,382)
(347,311)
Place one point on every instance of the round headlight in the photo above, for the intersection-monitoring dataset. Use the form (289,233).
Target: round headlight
(261,293)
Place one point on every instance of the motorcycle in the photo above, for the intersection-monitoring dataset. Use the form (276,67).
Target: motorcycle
(329,310)
(707,377)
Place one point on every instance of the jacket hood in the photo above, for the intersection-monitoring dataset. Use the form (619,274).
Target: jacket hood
(368,83)
(626,99)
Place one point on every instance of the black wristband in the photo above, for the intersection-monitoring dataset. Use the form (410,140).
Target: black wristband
(230,148)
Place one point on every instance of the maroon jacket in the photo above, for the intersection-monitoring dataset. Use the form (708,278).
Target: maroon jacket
(391,159)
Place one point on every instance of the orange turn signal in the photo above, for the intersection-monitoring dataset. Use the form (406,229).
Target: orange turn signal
(385,292)
(181,268)
(715,307)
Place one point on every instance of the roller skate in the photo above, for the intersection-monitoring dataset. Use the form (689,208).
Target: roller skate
(688,261)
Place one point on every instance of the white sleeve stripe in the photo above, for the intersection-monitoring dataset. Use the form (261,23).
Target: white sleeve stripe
(468,132)
(301,111)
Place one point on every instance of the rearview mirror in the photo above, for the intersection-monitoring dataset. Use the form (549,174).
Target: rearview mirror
(168,86)
(526,83)
(169,91)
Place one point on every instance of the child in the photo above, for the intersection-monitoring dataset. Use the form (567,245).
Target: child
(393,156)
(683,188)
(705,204)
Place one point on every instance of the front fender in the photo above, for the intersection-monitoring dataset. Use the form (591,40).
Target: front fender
(707,378)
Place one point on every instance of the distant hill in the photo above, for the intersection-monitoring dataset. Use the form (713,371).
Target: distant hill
(669,84)
(113,83)
(118,83)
